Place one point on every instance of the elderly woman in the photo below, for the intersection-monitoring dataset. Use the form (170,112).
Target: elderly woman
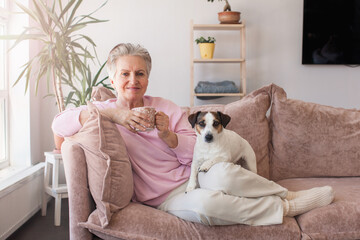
(162,168)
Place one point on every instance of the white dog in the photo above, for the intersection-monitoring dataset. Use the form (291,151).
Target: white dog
(216,144)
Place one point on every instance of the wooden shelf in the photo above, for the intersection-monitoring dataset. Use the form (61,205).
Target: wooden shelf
(219,60)
(218,26)
(238,60)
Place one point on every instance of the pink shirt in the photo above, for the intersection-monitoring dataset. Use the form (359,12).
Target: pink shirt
(157,169)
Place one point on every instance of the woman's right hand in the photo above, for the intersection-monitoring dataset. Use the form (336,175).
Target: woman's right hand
(131,120)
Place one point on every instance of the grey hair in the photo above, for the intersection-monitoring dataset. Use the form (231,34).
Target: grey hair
(126,49)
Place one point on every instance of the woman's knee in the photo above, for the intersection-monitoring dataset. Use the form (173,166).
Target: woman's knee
(209,207)
(195,206)
(220,177)
(207,202)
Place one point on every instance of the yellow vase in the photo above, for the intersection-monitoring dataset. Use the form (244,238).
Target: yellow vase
(207,50)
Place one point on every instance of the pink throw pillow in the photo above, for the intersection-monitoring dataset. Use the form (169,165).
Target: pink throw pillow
(108,167)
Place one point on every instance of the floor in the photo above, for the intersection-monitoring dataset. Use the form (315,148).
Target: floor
(42,228)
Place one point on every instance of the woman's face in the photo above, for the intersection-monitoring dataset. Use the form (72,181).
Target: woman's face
(131,79)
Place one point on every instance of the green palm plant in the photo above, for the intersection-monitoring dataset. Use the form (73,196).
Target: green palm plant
(62,54)
(79,95)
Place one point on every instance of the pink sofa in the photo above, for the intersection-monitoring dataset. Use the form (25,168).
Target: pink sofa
(298,144)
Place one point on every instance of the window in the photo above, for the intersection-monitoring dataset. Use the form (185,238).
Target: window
(4,159)
(2,58)
(3,148)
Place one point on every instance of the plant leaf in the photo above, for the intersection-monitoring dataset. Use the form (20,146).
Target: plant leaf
(21,75)
(67,7)
(98,74)
(27,11)
(41,18)
(69,97)
(88,39)
(73,13)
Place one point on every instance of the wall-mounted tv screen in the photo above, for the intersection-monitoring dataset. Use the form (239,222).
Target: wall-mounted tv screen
(331,32)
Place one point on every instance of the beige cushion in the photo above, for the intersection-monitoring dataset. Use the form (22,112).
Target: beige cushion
(108,166)
(340,219)
(312,140)
(248,119)
(138,221)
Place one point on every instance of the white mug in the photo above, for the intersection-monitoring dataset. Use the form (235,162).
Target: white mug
(150,111)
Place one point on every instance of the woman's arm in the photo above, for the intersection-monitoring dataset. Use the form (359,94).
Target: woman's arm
(162,125)
(186,140)
(129,119)
(174,128)
(67,123)
(177,133)
(83,117)
(58,142)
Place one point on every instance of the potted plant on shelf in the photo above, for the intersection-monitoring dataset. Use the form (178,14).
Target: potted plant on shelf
(63,54)
(206,46)
(228,16)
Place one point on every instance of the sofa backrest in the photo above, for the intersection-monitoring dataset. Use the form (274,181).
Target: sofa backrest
(312,140)
(302,139)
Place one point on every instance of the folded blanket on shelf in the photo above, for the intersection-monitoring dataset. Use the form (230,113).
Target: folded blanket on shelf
(215,87)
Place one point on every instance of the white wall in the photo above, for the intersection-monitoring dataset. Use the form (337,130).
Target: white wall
(21,199)
(274,39)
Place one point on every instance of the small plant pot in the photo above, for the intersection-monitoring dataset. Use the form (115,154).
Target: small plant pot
(207,50)
(229,17)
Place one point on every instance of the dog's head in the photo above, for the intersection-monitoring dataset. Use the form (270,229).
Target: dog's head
(208,124)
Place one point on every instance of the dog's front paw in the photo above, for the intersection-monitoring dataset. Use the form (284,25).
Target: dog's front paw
(202,169)
(190,187)
(205,167)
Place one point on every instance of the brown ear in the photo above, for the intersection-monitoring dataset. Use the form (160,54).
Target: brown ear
(225,119)
(193,118)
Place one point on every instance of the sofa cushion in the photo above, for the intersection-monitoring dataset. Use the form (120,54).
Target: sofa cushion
(312,140)
(108,166)
(138,221)
(340,219)
(248,119)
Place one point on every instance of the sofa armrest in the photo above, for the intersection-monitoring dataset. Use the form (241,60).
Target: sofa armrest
(80,200)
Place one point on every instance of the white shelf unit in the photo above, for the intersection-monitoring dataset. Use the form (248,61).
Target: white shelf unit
(241,60)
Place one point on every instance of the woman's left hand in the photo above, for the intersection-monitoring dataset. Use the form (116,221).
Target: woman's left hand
(162,125)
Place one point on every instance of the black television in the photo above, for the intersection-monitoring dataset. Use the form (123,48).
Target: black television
(331,32)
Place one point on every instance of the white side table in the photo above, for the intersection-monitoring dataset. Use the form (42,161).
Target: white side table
(54,189)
